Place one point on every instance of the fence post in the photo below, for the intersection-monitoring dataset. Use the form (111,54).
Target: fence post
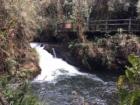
(87,23)
(129,26)
(106,26)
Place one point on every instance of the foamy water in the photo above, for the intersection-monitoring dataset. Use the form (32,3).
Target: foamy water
(52,67)
(59,80)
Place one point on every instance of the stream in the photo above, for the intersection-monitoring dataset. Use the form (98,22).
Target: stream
(60,83)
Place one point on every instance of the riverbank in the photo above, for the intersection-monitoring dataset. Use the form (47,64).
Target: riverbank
(106,53)
(18,61)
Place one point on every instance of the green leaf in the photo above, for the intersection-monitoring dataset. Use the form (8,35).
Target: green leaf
(129,75)
(134,60)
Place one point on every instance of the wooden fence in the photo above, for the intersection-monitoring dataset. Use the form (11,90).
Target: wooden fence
(114,25)
(107,26)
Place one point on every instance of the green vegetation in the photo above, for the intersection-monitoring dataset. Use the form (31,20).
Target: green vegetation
(16,93)
(22,20)
(14,70)
(18,62)
(129,84)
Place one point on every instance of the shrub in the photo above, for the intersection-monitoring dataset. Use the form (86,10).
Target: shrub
(129,84)
(17,94)
(108,53)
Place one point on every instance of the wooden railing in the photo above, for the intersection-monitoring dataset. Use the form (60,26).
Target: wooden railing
(107,26)
(125,25)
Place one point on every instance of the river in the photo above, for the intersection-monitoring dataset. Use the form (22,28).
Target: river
(60,83)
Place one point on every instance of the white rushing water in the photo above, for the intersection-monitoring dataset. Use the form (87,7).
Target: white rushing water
(60,83)
(52,67)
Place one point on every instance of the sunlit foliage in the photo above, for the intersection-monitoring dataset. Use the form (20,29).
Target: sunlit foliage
(129,84)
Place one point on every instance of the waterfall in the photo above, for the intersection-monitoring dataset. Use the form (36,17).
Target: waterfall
(52,67)
(60,83)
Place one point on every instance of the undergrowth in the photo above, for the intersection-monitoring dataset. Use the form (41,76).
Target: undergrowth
(129,84)
(14,76)
(109,53)
(17,93)
(18,62)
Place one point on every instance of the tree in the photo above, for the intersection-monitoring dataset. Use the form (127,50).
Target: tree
(81,13)
(74,10)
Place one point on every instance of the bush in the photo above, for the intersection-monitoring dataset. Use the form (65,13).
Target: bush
(108,53)
(129,84)
(17,94)
(18,62)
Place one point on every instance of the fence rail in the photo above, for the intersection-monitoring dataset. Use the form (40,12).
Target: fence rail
(126,25)
(107,26)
